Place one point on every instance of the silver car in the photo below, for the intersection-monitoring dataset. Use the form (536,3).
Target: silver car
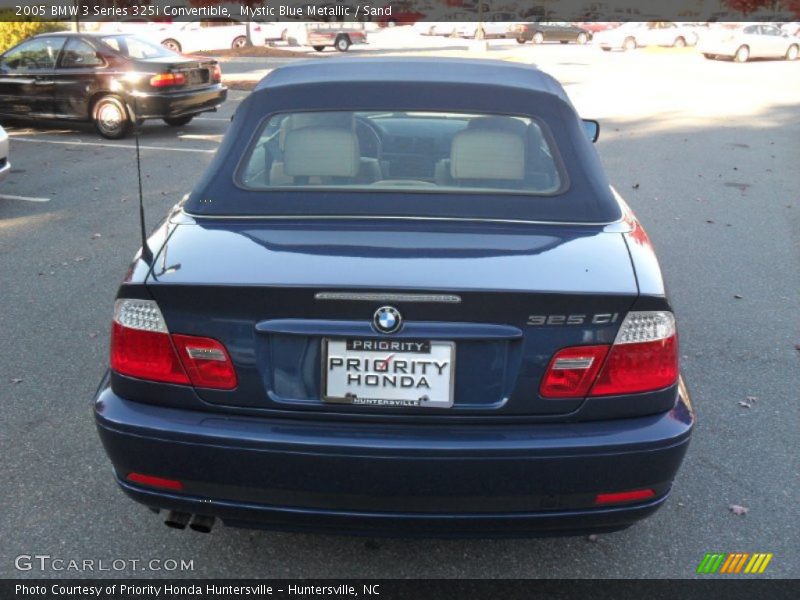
(743,42)
(634,34)
(5,166)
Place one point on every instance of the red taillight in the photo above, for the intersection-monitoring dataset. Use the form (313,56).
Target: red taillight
(643,358)
(156,482)
(634,368)
(141,347)
(216,73)
(145,355)
(572,371)
(206,361)
(621,497)
(167,79)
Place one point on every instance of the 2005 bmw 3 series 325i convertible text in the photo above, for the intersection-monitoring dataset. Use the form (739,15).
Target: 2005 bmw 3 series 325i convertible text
(403,299)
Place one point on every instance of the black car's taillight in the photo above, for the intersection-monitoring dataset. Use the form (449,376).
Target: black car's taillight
(163,80)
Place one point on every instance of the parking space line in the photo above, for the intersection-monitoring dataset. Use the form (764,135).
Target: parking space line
(122,146)
(206,137)
(23,198)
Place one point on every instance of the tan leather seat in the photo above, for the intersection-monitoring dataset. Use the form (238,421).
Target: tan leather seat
(487,158)
(368,169)
(442,174)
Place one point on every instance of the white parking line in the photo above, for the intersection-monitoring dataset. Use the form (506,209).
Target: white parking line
(122,146)
(212,119)
(201,136)
(23,198)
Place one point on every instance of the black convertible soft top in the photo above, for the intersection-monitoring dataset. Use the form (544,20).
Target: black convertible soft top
(411,84)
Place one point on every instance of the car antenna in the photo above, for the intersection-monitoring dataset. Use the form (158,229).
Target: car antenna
(147,254)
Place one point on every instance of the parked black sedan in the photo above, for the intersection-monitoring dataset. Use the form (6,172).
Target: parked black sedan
(113,80)
(552,31)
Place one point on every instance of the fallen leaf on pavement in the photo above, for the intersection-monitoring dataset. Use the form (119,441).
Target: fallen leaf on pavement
(16,380)
(738,296)
(745,404)
(738,510)
(96,236)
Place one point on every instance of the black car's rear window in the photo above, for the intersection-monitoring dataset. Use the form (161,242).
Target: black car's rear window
(402,151)
(136,47)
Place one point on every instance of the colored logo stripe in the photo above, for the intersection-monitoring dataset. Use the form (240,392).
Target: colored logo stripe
(734,562)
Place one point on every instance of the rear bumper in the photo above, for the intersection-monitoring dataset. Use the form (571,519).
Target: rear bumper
(398,479)
(178,104)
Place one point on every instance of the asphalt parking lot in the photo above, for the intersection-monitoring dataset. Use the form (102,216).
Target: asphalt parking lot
(705,152)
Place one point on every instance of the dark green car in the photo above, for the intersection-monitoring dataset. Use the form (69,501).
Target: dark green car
(550,31)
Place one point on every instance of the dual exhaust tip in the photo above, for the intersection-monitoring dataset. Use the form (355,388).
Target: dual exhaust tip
(179,520)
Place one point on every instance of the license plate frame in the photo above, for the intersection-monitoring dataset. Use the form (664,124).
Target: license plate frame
(435,348)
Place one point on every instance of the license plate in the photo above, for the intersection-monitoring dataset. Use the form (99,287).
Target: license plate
(197,76)
(393,373)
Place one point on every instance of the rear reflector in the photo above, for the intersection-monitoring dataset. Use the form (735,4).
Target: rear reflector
(167,79)
(156,482)
(643,358)
(621,497)
(141,347)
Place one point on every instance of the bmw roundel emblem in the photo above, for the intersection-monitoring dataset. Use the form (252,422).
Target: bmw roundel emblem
(387,319)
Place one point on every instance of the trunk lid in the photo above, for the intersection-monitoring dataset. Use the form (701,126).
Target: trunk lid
(506,297)
(197,70)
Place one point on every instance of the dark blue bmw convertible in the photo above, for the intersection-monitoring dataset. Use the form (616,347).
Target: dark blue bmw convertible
(402,300)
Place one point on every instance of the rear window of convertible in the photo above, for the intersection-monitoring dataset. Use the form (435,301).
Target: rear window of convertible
(401,151)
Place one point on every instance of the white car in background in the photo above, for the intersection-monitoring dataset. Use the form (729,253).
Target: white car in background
(755,40)
(630,36)
(494,25)
(5,166)
(209,34)
(136,25)
(443,28)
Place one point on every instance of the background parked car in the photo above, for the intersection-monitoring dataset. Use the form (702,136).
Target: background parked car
(444,28)
(207,34)
(629,36)
(742,43)
(550,31)
(87,77)
(403,13)
(137,25)
(5,165)
(494,26)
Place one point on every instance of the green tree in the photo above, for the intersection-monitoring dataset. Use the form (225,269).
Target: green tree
(12,31)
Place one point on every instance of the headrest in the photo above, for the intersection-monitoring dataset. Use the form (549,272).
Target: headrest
(313,119)
(485,154)
(497,123)
(321,152)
